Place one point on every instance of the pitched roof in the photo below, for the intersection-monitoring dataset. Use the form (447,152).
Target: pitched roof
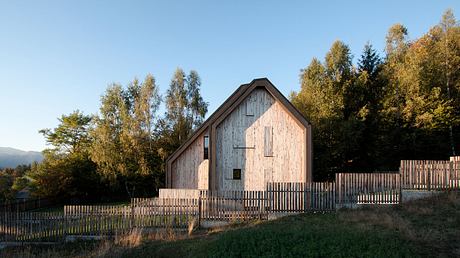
(232,102)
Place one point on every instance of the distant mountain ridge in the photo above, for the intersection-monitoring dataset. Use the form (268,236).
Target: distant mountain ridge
(11,157)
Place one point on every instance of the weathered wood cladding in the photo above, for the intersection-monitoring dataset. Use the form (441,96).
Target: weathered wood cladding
(240,140)
(205,127)
(166,193)
(190,169)
(244,100)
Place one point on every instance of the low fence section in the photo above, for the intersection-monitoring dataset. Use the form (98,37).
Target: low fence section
(32,226)
(97,220)
(367,188)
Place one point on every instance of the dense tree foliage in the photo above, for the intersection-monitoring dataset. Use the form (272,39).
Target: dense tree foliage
(403,106)
(13,180)
(66,171)
(122,146)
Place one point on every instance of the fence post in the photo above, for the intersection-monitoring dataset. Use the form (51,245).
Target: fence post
(64,233)
(131,221)
(400,189)
(430,167)
(199,210)
(260,205)
(304,192)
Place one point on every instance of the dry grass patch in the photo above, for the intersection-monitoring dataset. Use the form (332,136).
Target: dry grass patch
(432,223)
(384,217)
(132,239)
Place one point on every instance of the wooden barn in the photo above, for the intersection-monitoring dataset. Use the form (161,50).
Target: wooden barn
(256,136)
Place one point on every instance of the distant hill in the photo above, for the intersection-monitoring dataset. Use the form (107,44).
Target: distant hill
(10,157)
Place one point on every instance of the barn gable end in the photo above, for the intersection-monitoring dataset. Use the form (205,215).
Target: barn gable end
(255,137)
(242,144)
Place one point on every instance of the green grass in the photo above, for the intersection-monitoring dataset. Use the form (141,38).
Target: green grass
(424,228)
(307,235)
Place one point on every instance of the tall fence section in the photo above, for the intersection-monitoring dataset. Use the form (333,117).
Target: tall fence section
(431,174)
(180,210)
(301,197)
(368,188)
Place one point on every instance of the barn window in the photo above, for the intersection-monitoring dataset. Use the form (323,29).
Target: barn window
(249,106)
(237,174)
(268,141)
(206,147)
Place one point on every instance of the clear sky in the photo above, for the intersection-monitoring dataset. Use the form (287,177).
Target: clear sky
(59,56)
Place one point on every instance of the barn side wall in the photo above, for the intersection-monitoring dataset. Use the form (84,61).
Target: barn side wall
(190,169)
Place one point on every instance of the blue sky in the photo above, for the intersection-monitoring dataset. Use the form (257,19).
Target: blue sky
(59,56)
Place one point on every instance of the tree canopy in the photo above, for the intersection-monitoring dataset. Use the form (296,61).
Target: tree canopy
(400,106)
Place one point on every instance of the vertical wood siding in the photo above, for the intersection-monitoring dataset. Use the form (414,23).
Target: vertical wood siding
(240,143)
(268,141)
(190,170)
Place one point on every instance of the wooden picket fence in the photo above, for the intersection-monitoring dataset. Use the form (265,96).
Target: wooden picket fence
(367,188)
(162,212)
(431,174)
(278,197)
(97,220)
(31,226)
(300,197)
(233,205)
(174,213)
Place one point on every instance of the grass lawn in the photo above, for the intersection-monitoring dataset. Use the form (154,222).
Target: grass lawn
(424,228)
(305,235)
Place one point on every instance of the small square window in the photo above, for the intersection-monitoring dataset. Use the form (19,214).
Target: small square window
(237,174)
